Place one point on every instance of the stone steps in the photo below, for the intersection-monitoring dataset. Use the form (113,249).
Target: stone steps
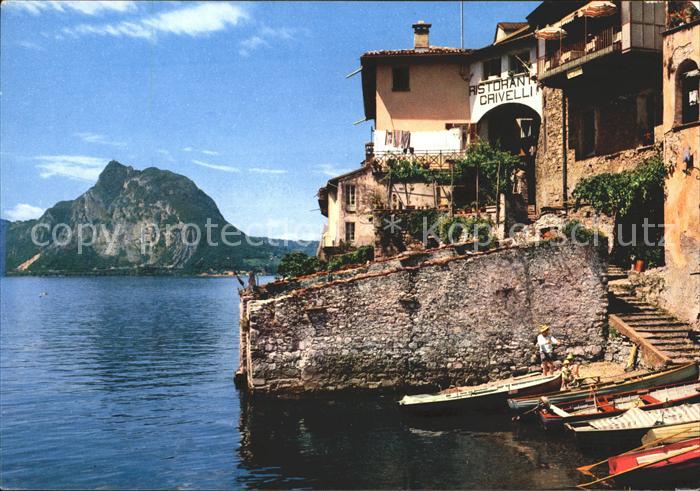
(664,338)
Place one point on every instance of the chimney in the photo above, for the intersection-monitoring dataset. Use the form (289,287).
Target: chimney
(421,35)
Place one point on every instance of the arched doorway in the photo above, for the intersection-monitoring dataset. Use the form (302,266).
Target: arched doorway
(514,127)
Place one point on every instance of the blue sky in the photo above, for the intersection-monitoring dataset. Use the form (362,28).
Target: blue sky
(249,100)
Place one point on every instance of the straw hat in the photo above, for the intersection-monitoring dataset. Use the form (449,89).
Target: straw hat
(570,357)
(566,362)
(544,328)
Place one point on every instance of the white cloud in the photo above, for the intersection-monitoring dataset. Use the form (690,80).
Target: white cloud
(261,170)
(204,151)
(79,167)
(23,211)
(221,167)
(31,45)
(91,7)
(166,154)
(331,170)
(99,139)
(194,20)
(265,36)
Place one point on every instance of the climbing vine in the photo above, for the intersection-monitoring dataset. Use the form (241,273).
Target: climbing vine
(616,194)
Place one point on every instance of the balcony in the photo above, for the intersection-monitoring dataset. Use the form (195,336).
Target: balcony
(574,53)
(433,159)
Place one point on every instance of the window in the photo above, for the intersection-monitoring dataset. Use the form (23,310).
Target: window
(519,62)
(349,232)
(492,68)
(689,89)
(588,133)
(400,79)
(350,197)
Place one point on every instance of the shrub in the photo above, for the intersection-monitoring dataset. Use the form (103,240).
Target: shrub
(575,230)
(359,256)
(298,264)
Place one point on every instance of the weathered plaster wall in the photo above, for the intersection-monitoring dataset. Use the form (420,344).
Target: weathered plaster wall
(681,277)
(454,320)
(438,95)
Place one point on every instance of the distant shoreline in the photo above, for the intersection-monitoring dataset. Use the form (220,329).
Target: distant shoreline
(160,273)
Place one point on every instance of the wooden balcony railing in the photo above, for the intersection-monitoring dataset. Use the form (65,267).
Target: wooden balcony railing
(438,159)
(574,49)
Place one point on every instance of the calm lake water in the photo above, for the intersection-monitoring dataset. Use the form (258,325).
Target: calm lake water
(127,383)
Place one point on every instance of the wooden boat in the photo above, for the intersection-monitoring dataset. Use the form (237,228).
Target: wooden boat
(685,373)
(672,433)
(627,429)
(669,464)
(554,416)
(487,396)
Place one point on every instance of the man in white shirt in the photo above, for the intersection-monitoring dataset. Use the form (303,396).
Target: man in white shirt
(546,343)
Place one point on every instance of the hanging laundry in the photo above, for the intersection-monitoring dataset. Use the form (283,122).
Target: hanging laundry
(389,138)
(405,139)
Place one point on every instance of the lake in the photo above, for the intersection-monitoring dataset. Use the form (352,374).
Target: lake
(122,382)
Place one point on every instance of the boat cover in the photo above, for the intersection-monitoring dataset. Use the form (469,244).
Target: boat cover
(637,418)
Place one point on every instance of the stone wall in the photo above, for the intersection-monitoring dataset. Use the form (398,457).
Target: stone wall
(454,320)
(549,159)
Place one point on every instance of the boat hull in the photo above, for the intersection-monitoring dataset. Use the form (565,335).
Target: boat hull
(677,375)
(554,422)
(675,470)
(492,401)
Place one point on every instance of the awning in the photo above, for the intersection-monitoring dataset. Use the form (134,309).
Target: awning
(550,33)
(591,9)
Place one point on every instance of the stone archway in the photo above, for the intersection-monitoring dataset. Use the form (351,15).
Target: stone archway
(514,127)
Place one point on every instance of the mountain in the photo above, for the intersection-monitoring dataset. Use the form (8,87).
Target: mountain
(133,222)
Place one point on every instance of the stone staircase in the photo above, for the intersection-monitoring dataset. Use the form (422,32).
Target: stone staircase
(663,339)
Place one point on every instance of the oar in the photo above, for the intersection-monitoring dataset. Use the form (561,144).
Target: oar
(647,464)
(585,469)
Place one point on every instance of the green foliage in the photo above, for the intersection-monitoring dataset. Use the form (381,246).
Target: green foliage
(488,160)
(573,229)
(416,221)
(298,264)
(451,228)
(617,193)
(359,256)
(481,157)
(404,170)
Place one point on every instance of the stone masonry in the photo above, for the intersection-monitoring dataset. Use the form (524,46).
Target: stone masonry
(448,320)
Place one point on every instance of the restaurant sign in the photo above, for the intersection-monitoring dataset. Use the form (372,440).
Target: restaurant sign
(492,93)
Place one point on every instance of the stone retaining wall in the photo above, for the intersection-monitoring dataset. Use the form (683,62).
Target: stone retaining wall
(462,319)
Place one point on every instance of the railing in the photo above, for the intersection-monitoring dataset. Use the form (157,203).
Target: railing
(573,50)
(438,159)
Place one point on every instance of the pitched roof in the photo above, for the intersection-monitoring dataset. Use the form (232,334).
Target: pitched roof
(511,26)
(432,50)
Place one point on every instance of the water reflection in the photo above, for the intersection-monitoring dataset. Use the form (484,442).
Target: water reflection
(362,441)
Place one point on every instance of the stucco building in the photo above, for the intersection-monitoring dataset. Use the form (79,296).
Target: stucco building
(428,104)
(681,138)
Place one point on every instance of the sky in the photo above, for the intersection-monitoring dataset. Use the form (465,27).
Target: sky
(249,100)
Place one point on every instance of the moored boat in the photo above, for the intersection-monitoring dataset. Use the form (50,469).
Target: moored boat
(555,416)
(488,396)
(669,464)
(685,373)
(672,433)
(626,429)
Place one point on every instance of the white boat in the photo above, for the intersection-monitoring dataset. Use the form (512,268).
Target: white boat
(487,396)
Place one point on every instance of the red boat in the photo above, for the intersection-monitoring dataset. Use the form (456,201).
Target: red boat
(555,416)
(673,463)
